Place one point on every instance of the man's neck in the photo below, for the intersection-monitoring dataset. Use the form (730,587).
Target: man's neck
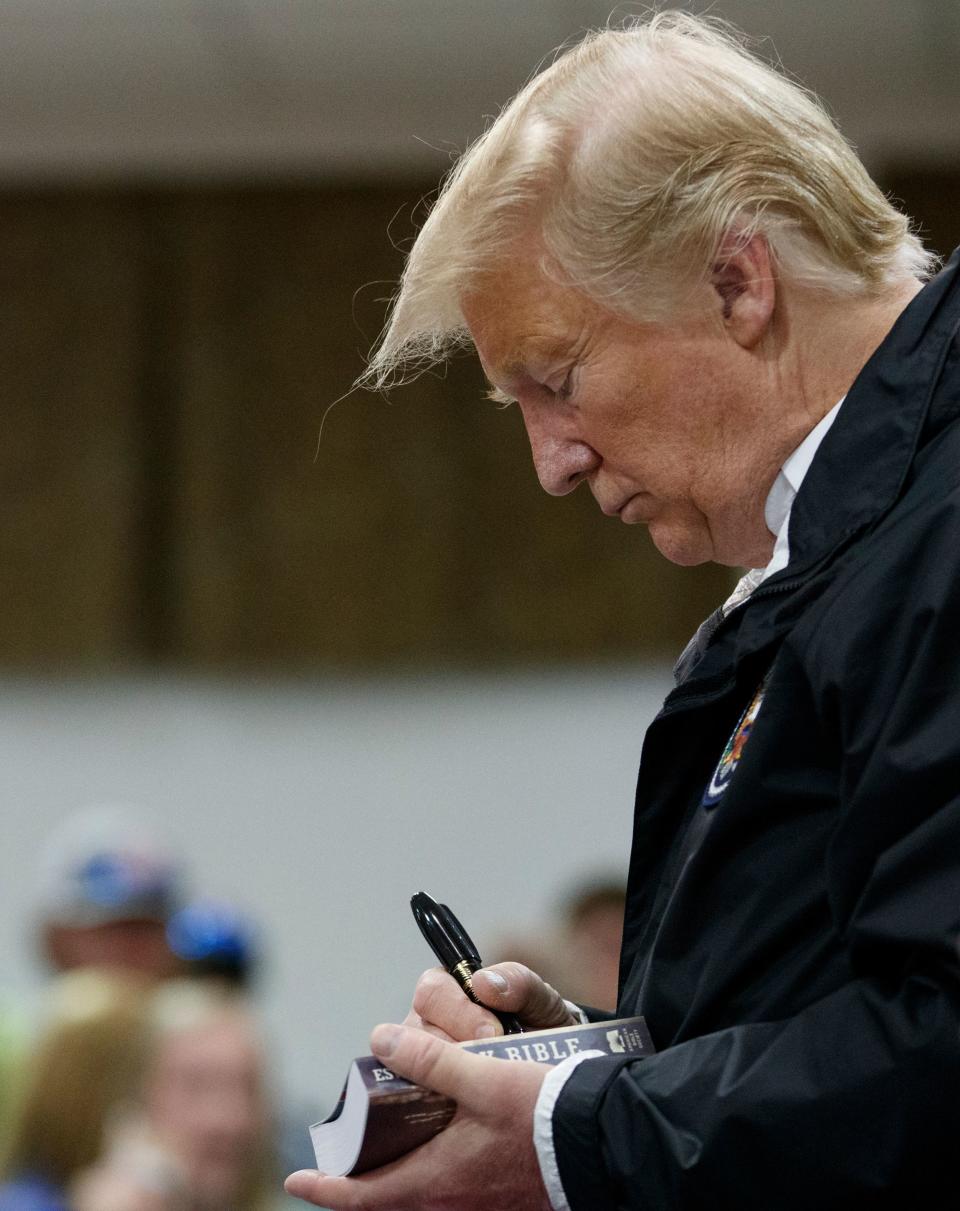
(817,347)
(835,341)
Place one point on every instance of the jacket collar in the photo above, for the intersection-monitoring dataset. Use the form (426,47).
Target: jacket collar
(861,466)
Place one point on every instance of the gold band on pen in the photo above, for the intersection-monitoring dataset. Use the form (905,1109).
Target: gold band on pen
(462,973)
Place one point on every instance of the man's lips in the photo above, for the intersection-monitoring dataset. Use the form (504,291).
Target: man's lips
(630,509)
(616,510)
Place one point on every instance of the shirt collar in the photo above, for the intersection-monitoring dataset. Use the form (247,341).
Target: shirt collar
(779,503)
(780,498)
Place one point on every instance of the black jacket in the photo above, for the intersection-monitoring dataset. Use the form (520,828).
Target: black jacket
(794,903)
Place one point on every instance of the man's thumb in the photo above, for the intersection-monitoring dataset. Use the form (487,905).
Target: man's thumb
(425,1059)
(514,987)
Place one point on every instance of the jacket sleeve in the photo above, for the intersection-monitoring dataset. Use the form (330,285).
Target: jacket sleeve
(855,1100)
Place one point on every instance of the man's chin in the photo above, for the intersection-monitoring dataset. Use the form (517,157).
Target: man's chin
(689,546)
(687,550)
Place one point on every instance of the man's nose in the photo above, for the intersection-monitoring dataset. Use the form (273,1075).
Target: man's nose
(562,461)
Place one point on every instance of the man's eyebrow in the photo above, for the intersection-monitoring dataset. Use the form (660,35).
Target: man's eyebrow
(513,367)
(539,349)
(517,365)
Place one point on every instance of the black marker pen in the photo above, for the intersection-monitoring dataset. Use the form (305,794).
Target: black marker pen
(452,945)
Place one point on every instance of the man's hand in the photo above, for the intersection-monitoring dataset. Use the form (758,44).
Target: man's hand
(485,1158)
(441,1007)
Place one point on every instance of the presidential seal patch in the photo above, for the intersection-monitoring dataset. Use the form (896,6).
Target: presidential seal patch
(727,766)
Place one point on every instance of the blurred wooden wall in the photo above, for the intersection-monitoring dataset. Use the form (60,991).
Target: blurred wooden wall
(166,362)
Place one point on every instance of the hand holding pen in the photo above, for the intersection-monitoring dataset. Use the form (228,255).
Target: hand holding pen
(455,950)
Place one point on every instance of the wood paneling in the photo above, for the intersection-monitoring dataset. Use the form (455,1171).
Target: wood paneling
(167,498)
(413,530)
(69,454)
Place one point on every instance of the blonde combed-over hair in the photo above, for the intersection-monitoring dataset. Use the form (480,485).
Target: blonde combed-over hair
(633,162)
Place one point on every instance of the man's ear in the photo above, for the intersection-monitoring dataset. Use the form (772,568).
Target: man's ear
(746,287)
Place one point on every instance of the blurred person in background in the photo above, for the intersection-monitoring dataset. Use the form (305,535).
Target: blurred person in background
(14,1036)
(88,1059)
(107,888)
(214,939)
(578,949)
(670,260)
(197,1136)
(112,894)
(589,944)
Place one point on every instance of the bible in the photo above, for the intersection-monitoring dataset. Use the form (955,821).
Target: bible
(380,1116)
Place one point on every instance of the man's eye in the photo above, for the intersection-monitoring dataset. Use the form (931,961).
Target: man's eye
(565,390)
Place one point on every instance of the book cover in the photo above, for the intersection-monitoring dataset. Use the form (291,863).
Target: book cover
(380,1116)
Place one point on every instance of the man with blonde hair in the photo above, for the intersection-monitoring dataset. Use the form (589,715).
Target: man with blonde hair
(667,255)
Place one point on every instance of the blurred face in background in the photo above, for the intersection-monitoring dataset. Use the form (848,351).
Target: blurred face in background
(205,1103)
(136,945)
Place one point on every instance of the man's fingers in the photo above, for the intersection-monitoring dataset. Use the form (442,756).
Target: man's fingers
(441,1007)
(341,1193)
(415,1021)
(440,1002)
(428,1060)
(306,1184)
(514,987)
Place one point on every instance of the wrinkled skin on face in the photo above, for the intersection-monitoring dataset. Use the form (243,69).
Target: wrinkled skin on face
(679,427)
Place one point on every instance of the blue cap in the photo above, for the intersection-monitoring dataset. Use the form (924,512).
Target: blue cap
(108,864)
(209,931)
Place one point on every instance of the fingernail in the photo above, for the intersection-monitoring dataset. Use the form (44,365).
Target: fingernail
(486,1030)
(497,980)
(384,1041)
(298,1184)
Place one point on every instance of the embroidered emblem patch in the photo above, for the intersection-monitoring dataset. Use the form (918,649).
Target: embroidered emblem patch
(727,766)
